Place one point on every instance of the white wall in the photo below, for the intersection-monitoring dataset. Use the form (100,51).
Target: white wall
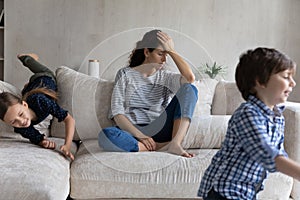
(64,32)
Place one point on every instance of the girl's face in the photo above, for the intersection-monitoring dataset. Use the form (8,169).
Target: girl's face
(278,88)
(18,115)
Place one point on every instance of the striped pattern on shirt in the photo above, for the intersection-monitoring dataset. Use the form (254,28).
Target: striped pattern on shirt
(142,99)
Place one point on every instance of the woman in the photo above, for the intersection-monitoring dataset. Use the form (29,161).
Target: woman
(145,118)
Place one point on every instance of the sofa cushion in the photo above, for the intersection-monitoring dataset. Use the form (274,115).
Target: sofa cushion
(31,172)
(207,131)
(206,90)
(98,174)
(227,98)
(88,101)
(276,186)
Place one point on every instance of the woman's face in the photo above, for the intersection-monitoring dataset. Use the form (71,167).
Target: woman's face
(157,56)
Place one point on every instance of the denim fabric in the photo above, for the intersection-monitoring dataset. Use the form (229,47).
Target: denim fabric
(115,139)
(182,105)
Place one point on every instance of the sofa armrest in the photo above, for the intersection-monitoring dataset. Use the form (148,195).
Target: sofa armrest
(292,138)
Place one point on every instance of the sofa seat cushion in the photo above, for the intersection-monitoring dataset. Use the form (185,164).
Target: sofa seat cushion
(277,186)
(30,172)
(98,174)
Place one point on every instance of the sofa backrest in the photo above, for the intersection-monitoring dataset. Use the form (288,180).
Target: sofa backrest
(227,98)
(88,101)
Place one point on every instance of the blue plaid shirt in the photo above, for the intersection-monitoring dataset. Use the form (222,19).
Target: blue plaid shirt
(254,138)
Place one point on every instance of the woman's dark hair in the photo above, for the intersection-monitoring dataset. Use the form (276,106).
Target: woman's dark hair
(149,41)
(6,100)
(258,65)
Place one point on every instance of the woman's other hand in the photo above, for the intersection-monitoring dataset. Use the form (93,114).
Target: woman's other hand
(149,143)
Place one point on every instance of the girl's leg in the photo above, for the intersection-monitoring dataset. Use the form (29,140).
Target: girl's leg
(30,61)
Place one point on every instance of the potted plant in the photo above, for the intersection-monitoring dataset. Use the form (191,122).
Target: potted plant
(213,70)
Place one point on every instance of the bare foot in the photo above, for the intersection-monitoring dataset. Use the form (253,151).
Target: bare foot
(162,146)
(33,55)
(178,150)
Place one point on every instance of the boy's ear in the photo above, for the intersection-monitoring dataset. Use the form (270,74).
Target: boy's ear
(258,84)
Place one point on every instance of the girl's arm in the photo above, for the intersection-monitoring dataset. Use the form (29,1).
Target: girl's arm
(123,122)
(182,65)
(288,166)
(69,130)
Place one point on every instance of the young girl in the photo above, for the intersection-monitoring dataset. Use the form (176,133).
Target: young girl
(38,102)
(146,119)
(253,145)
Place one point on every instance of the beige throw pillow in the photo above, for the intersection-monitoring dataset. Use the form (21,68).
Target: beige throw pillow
(87,99)
(206,91)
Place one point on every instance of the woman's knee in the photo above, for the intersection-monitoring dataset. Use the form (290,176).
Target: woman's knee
(188,93)
(189,90)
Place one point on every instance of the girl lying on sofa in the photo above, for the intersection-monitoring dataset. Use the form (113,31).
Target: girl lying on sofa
(37,103)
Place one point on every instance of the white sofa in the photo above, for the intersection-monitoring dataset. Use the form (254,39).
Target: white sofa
(30,172)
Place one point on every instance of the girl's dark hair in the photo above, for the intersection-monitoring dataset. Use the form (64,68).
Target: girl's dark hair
(7,99)
(258,65)
(149,41)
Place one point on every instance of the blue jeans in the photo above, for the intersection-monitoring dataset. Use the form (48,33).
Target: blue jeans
(182,105)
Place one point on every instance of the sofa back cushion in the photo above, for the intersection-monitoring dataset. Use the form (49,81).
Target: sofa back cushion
(87,99)
(206,132)
(227,98)
(206,90)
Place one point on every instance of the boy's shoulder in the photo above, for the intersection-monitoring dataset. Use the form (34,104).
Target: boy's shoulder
(247,109)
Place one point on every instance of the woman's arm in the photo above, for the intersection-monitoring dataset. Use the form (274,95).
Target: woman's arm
(182,65)
(123,122)
(69,130)
(288,166)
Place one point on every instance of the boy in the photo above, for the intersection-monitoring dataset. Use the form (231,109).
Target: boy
(253,145)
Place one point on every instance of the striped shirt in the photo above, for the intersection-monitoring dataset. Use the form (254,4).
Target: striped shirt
(142,99)
(254,138)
